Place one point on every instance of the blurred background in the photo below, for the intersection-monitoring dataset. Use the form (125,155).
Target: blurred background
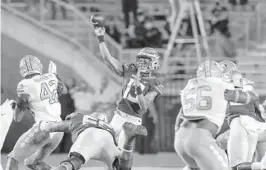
(60,30)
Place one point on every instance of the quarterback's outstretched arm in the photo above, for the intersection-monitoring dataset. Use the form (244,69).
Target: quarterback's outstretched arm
(112,62)
(63,126)
(240,96)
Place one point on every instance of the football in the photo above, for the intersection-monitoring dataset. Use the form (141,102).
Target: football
(97,20)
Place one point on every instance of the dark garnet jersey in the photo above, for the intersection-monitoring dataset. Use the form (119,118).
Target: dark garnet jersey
(80,122)
(128,102)
(236,109)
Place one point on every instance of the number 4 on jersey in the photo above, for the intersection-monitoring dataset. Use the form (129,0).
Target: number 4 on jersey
(47,94)
(194,99)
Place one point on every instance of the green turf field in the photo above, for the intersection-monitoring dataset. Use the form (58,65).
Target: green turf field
(161,161)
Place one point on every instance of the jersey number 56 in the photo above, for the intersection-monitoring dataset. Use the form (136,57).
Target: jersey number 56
(194,99)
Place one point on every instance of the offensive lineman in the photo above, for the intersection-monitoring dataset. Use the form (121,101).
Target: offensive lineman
(140,88)
(93,138)
(37,93)
(204,103)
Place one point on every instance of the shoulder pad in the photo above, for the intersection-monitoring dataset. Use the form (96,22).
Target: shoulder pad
(23,87)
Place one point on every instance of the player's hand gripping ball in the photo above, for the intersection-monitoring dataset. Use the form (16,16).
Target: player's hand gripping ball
(97,21)
(52,68)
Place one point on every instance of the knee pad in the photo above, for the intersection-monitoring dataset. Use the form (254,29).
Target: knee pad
(74,162)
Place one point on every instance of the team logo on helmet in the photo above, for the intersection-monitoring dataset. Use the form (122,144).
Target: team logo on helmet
(147,59)
(228,68)
(30,65)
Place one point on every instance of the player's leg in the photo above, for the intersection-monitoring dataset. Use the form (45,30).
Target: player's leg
(237,144)
(91,144)
(222,140)
(181,137)
(130,131)
(35,161)
(117,123)
(30,141)
(202,147)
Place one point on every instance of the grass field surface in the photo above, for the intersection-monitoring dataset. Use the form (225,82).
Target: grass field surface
(160,161)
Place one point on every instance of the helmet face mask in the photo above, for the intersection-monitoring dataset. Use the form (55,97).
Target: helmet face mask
(147,60)
(248,85)
(100,115)
(237,79)
(30,65)
(143,63)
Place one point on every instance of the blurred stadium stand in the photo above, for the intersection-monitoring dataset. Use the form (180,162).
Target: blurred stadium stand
(247,29)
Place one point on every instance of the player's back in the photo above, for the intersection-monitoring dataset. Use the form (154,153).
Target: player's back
(43,96)
(203,98)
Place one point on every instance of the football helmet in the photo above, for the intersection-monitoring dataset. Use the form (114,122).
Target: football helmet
(209,68)
(147,59)
(228,68)
(237,79)
(30,65)
(248,85)
(100,115)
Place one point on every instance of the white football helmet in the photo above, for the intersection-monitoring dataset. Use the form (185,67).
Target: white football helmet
(248,85)
(236,78)
(228,68)
(100,115)
(30,65)
(209,68)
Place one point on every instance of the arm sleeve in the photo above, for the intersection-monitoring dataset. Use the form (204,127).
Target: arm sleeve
(240,96)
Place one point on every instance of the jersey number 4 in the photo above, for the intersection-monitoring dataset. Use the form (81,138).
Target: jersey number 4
(46,93)
(194,99)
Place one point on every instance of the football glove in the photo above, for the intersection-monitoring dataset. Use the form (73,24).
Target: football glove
(52,68)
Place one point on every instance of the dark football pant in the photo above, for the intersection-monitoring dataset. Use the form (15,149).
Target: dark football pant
(198,149)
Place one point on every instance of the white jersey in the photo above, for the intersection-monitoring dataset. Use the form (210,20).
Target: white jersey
(43,100)
(6,117)
(204,98)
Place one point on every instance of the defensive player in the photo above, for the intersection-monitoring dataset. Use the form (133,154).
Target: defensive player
(38,94)
(204,103)
(140,88)
(245,123)
(248,130)
(93,139)
(6,117)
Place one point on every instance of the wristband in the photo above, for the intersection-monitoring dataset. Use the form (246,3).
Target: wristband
(138,90)
(100,38)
